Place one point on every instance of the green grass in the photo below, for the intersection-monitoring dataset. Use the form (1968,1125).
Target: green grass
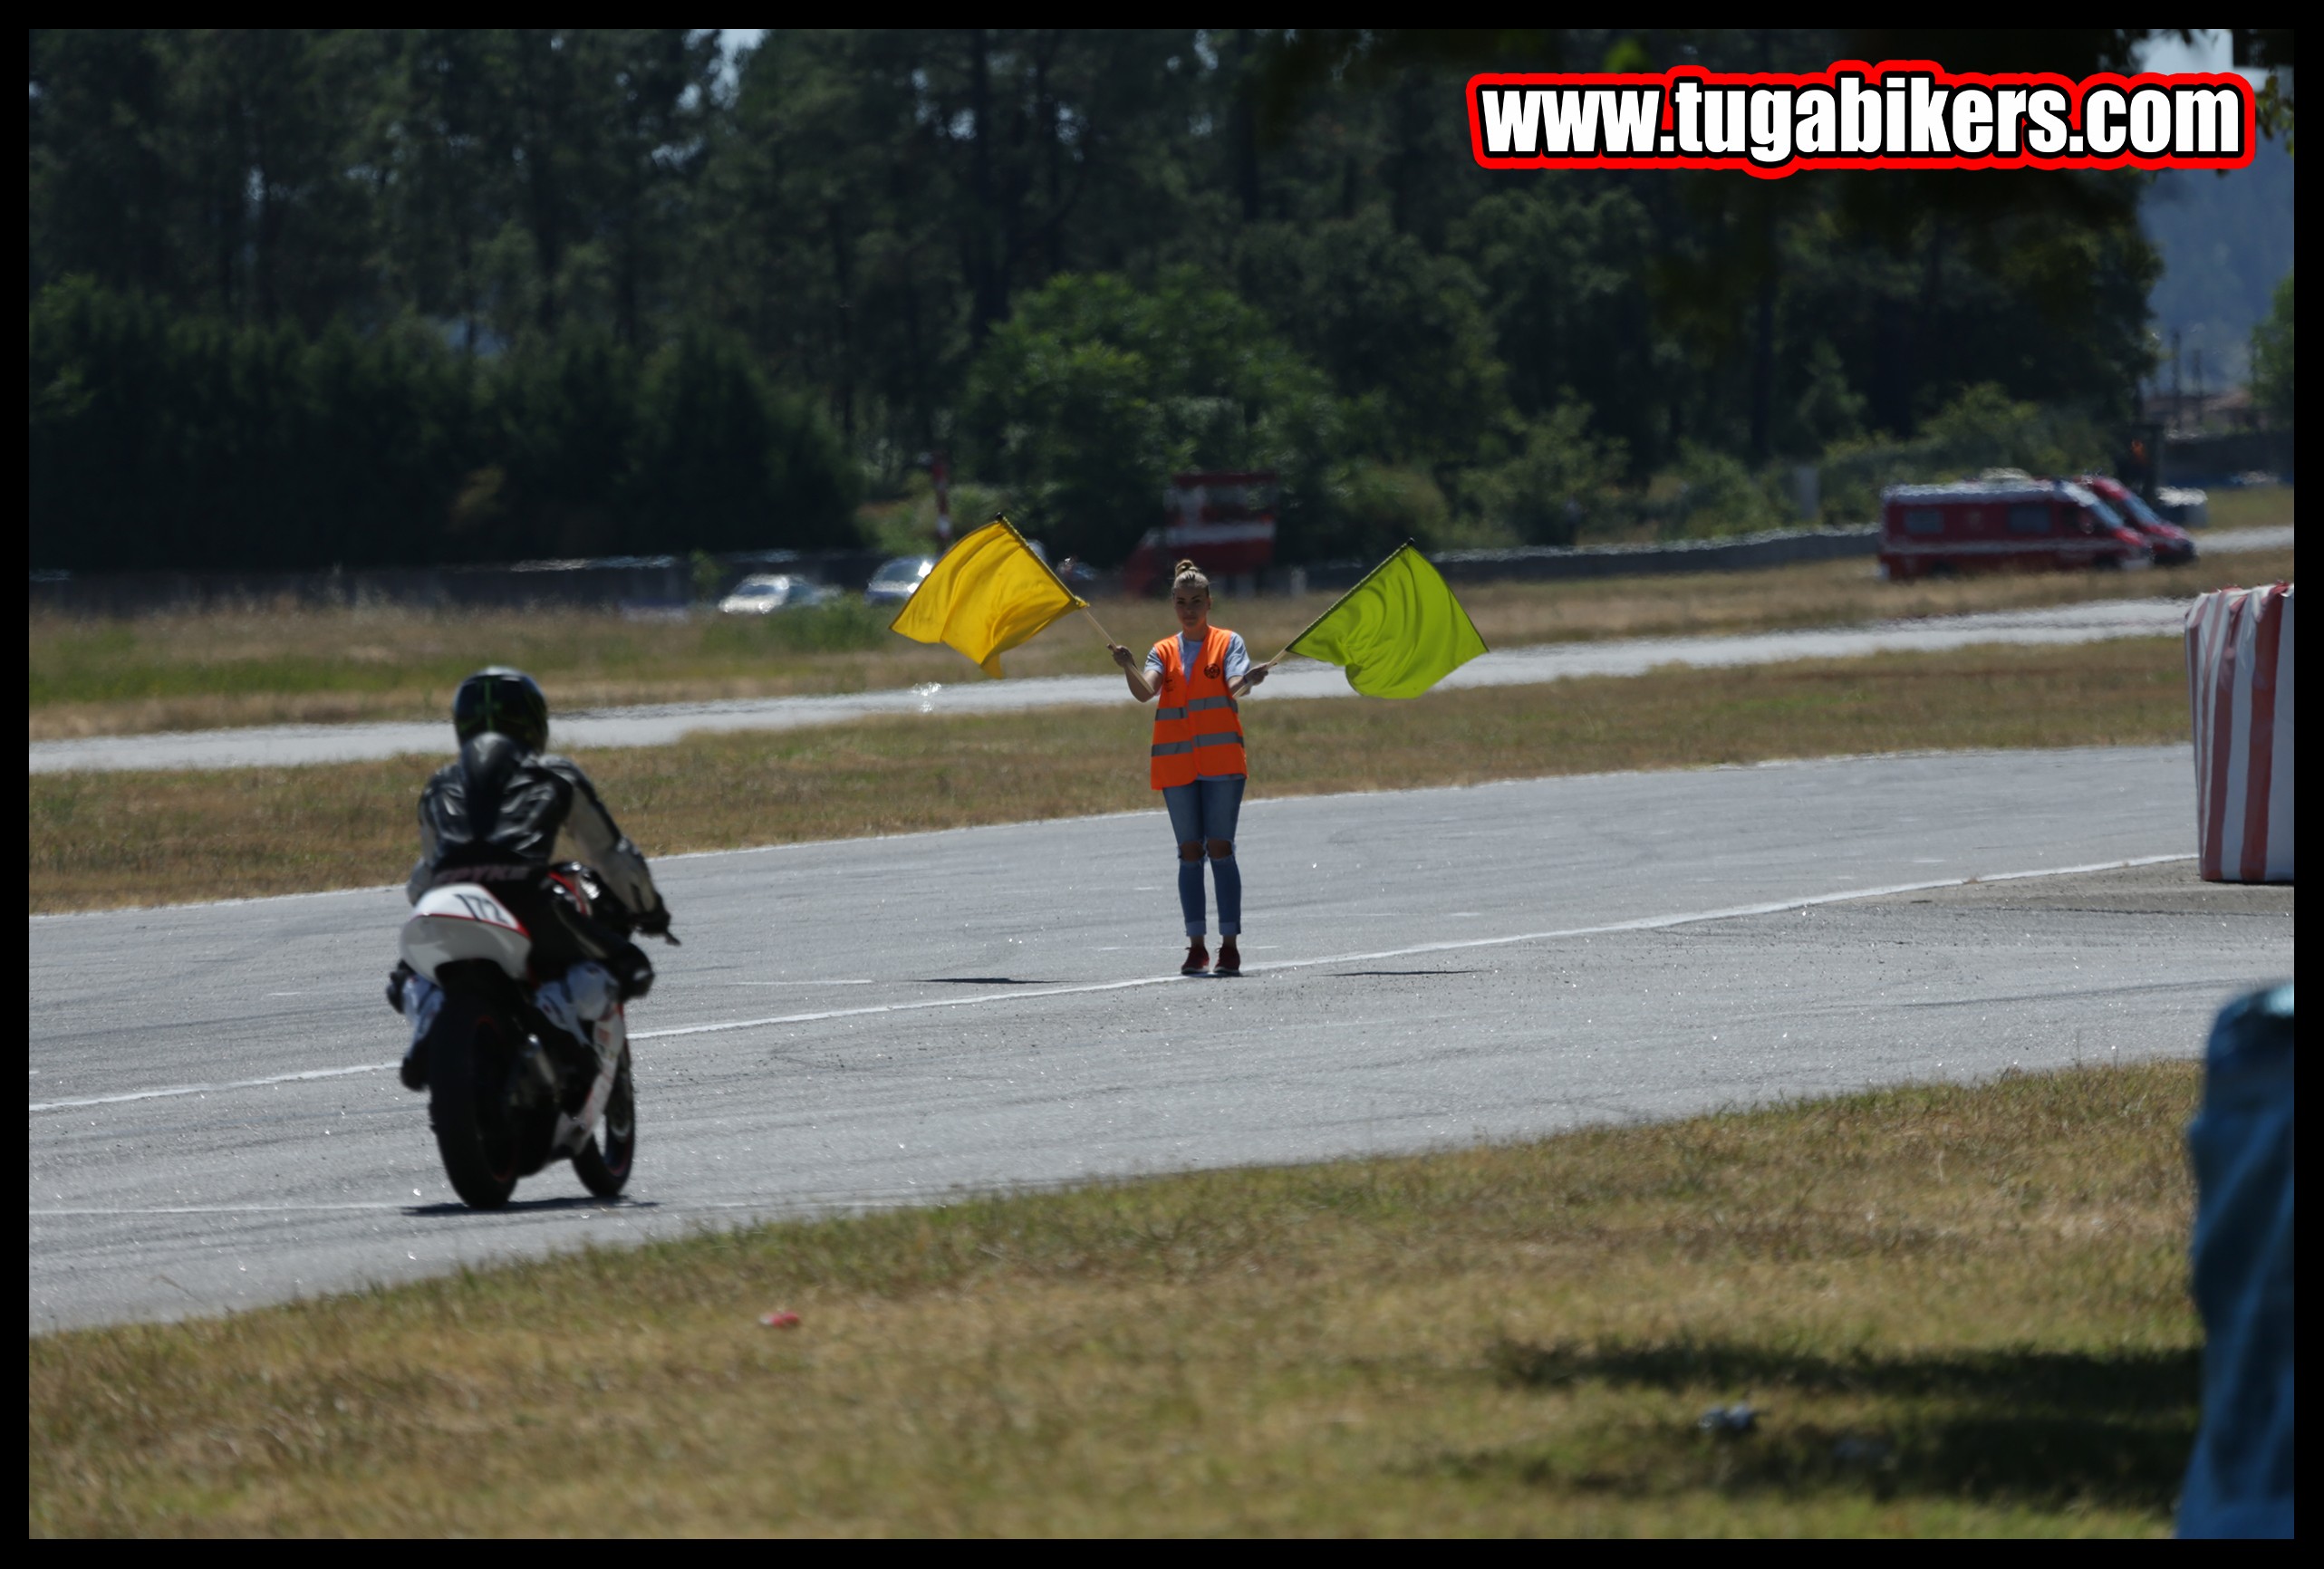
(2259,506)
(115,839)
(110,661)
(1958,1311)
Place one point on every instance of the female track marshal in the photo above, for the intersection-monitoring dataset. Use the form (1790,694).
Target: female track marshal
(1198,760)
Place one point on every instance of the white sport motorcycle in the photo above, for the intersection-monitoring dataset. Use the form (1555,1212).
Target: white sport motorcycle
(510,1085)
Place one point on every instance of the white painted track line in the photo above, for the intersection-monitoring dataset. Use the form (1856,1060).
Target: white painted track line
(1643,923)
(175,1090)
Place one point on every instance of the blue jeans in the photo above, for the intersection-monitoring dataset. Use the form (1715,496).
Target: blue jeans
(1207,809)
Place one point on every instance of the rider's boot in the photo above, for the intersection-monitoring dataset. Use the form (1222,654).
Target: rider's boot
(418,999)
(402,973)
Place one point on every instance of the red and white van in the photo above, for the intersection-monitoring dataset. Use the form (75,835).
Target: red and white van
(1992,525)
(1224,522)
(2172,545)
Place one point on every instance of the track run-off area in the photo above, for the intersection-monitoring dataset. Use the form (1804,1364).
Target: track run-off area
(215,1122)
(660,724)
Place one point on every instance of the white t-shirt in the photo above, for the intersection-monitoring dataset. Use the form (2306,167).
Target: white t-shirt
(1190,650)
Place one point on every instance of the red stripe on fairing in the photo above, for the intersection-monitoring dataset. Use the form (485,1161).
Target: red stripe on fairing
(2222,745)
(2263,748)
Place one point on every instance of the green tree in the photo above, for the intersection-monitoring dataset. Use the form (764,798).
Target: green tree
(565,420)
(723,464)
(827,239)
(2272,358)
(1095,391)
(657,283)
(218,169)
(107,195)
(440,146)
(1391,325)
(1566,272)
(1562,477)
(163,440)
(158,440)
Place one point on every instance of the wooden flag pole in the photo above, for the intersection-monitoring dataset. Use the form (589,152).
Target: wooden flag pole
(1063,587)
(1243,684)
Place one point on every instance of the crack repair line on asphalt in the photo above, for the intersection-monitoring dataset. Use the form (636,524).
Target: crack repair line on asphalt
(1643,923)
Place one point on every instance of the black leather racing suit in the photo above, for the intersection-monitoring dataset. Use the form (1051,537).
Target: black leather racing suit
(500,815)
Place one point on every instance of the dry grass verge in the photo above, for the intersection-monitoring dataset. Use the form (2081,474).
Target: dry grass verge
(291,664)
(102,839)
(1957,1312)
(2256,506)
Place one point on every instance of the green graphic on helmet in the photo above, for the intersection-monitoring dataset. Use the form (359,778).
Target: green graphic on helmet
(502,702)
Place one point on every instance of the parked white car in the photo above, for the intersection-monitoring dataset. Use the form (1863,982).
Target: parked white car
(894,582)
(764,593)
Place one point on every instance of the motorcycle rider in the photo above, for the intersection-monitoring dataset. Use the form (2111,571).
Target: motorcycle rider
(499,816)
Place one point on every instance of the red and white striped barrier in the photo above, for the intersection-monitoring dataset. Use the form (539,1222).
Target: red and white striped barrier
(2239,683)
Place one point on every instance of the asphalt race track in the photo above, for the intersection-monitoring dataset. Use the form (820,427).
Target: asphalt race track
(214,1123)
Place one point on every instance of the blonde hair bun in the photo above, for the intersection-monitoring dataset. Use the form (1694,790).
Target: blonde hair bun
(1187,569)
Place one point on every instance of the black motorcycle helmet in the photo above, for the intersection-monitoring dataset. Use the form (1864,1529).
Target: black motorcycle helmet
(503,702)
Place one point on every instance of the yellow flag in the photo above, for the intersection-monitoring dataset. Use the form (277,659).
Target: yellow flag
(987,595)
(1397,632)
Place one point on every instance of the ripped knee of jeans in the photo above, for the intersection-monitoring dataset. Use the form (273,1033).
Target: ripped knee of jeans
(1221,849)
(1191,850)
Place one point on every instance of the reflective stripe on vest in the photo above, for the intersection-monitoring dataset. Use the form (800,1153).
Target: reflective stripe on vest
(1175,748)
(1203,718)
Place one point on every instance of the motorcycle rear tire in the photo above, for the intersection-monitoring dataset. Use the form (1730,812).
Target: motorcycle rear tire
(604,1163)
(466,1075)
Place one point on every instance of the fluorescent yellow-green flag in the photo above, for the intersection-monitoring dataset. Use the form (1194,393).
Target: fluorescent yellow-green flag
(1397,632)
(987,595)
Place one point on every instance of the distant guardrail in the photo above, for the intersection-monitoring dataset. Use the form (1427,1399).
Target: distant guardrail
(641,582)
(2228,458)
(664,582)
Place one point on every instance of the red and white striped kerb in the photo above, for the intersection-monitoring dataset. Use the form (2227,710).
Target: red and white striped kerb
(2239,683)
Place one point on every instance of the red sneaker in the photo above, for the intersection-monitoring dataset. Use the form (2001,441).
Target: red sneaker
(1198,959)
(1230,959)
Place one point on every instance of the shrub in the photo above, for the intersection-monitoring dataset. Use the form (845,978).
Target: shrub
(163,441)
(2272,358)
(1983,428)
(1562,480)
(1372,509)
(1718,493)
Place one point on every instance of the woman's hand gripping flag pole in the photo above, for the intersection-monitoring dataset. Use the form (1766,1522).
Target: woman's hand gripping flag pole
(1396,633)
(989,593)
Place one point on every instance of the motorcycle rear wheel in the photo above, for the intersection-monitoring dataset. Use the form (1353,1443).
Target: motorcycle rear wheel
(468,1070)
(604,1163)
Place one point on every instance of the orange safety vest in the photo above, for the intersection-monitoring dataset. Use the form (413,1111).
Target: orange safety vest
(1197,729)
